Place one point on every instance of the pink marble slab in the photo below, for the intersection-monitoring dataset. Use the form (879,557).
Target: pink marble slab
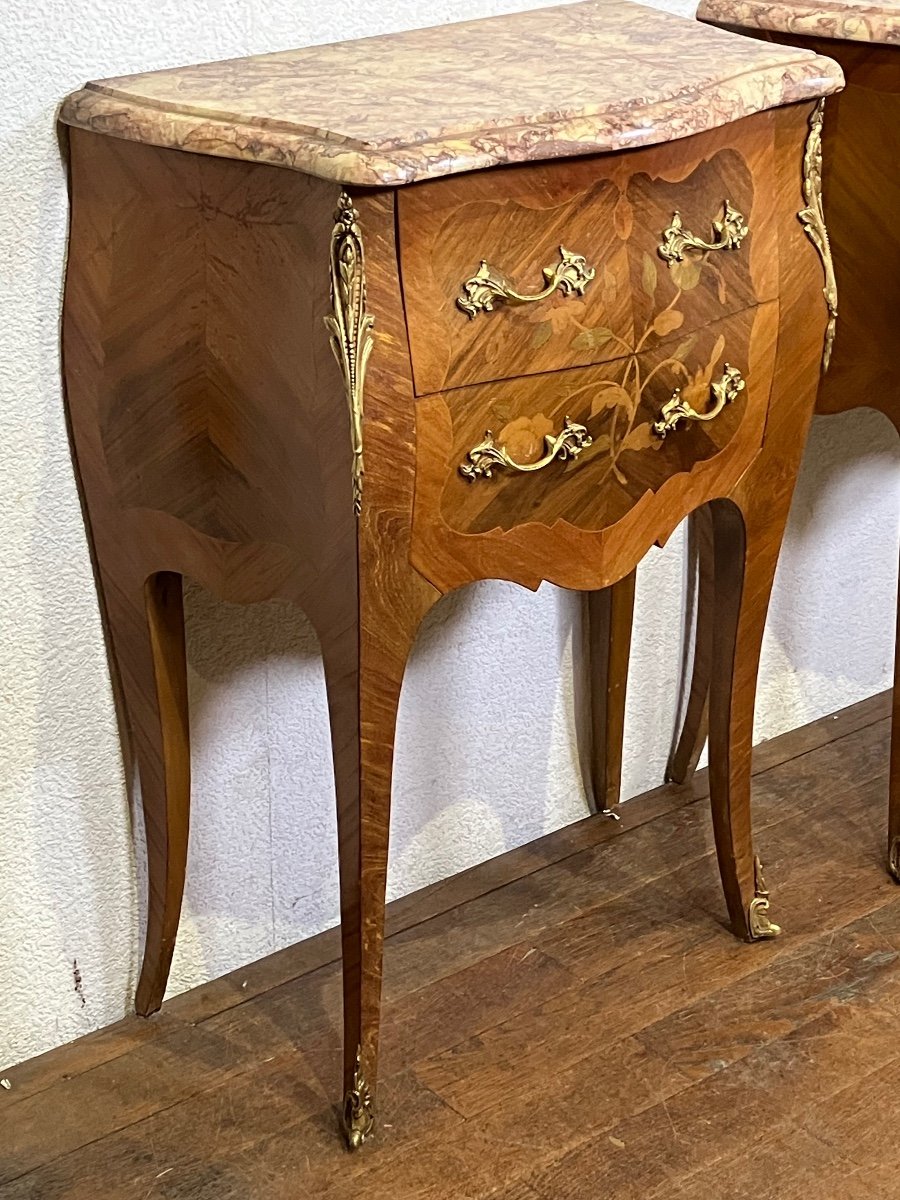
(551,83)
(846,20)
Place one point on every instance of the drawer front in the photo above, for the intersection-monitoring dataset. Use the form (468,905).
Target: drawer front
(643,439)
(523,270)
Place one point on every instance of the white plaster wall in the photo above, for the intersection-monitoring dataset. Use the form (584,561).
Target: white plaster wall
(486,751)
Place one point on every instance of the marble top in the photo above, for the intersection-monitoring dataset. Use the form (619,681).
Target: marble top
(550,83)
(846,20)
(849,21)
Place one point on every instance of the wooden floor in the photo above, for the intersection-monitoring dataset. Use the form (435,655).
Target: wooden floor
(569,1021)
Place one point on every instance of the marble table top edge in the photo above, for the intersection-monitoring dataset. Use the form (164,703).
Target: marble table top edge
(835,20)
(346,163)
(253,108)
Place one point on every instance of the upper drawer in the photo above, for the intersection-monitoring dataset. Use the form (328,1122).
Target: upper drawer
(531,269)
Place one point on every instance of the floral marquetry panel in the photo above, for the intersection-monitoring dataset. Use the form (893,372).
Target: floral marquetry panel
(622,470)
(661,250)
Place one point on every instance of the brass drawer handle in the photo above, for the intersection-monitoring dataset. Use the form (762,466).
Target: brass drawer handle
(728,235)
(675,410)
(483,458)
(488,286)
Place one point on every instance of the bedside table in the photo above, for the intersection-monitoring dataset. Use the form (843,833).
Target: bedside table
(359,324)
(861,185)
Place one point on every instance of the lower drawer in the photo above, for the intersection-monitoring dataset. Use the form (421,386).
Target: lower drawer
(645,438)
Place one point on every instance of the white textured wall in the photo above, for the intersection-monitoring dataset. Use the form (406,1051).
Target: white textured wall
(486,758)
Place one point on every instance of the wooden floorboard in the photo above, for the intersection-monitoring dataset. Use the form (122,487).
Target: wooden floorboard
(239,987)
(571,1020)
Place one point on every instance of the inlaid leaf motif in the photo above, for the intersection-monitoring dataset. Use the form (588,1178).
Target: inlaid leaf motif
(686,274)
(541,335)
(609,288)
(668,321)
(592,339)
(683,349)
(721,290)
(648,275)
(717,351)
(641,438)
(696,390)
(623,217)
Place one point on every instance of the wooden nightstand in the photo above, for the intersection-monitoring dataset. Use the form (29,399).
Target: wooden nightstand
(861,187)
(346,353)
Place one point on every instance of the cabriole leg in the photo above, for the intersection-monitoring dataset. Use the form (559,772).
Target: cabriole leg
(146,629)
(690,739)
(746,552)
(364,674)
(608,617)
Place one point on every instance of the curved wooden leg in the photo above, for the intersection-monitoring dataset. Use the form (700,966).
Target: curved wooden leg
(690,740)
(146,629)
(894,769)
(747,532)
(609,618)
(364,669)
(745,547)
